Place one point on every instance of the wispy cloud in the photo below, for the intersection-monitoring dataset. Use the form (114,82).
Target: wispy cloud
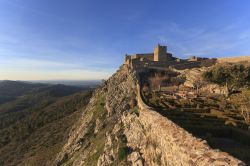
(201,41)
(31,69)
(34,11)
(73,51)
(46,65)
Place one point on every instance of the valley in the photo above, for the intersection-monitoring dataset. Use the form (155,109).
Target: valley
(35,123)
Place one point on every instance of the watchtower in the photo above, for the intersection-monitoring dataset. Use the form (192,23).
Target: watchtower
(160,53)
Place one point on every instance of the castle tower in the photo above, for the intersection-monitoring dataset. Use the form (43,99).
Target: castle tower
(160,53)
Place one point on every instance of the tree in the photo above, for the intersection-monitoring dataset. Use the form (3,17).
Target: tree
(198,83)
(156,81)
(245,112)
(232,76)
(242,100)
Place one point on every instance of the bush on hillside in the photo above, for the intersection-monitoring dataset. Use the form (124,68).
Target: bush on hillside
(232,76)
(242,100)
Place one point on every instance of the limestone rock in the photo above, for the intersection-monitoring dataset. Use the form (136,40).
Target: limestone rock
(136,159)
(152,139)
(98,125)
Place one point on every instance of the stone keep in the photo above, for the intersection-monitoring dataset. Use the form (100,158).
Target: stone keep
(160,53)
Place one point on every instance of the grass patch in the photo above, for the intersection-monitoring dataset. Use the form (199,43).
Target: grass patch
(100,110)
(123,150)
(98,140)
(135,110)
(98,146)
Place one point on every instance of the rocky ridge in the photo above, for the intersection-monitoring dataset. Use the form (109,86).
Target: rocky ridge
(117,128)
(95,138)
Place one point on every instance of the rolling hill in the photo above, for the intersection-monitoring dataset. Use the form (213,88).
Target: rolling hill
(35,120)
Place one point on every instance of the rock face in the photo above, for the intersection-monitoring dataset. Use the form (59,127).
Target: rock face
(194,78)
(95,138)
(112,131)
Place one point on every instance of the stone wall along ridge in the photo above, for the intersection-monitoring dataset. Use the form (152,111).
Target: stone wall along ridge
(177,146)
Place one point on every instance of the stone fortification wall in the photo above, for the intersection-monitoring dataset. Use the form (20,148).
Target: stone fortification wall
(153,139)
(234,59)
(162,142)
(136,64)
(148,56)
(186,65)
(138,57)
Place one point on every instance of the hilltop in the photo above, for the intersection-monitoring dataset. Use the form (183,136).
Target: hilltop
(121,126)
(164,112)
(35,120)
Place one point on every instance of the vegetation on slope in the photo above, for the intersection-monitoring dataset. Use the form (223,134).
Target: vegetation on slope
(34,126)
(242,101)
(222,121)
(10,90)
(236,78)
(97,140)
(233,76)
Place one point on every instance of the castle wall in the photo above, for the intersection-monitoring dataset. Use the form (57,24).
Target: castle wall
(127,60)
(137,64)
(234,59)
(160,53)
(169,144)
(186,65)
(148,56)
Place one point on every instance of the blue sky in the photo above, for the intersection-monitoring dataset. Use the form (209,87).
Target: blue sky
(87,39)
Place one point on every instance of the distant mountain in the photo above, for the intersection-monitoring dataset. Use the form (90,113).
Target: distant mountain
(78,83)
(35,120)
(9,90)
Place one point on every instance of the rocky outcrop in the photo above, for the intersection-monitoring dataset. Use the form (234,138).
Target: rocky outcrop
(95,137)
(193,79)
(161,142)
(112,130)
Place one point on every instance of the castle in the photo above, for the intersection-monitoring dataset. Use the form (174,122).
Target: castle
(160,58)
(160,54)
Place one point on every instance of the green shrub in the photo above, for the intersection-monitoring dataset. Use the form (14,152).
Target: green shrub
(233,76)
(135,110)
(100,110)
(123,152)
